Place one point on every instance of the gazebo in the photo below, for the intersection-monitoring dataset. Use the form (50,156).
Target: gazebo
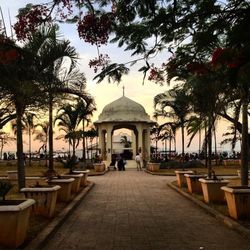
(124,113)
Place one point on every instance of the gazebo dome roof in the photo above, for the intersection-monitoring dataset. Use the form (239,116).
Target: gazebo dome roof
(124,110)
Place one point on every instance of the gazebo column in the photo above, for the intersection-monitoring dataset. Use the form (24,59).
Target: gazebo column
(134,146)
(148,143)
(109,144)
(140,141)
(102,143)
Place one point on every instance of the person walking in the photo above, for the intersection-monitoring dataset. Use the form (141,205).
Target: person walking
(120,164)
(138,162)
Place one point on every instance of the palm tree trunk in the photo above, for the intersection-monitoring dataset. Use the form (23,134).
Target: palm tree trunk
(87,147)
(29,146)
(205,148)
(244,146)
(199,142)
(51,162)
(83,142)
(74,148)
(69,149)
(209,139)
(19,137)
(174,143)
(215,146)
(1,153)
(170,140)
(182,140)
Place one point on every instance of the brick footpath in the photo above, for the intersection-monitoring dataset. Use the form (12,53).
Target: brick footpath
(134,210)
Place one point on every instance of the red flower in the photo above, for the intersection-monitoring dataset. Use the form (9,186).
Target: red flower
(216,55)
(155,75)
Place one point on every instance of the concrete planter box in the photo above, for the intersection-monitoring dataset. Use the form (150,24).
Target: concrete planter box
(181,179)
(238,201)
(212,190)
(99,167)
(45,198)
(14,221)
(12,175)
(63,194)
(232,162)
(76,183)
(85,173)
(239,173)
(153,166)
(193,184)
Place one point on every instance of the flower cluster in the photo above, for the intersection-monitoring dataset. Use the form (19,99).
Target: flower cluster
(226,57)
(65,8)
(155,75)
(95,30)
(30,20)
(99,62)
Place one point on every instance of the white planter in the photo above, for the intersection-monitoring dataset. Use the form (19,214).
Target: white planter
(212,190)
(238,201)
(239,173)
(194,186)
(181,179)
(64,194)
(76,183)
(14,221)
(45,198)
(85,173)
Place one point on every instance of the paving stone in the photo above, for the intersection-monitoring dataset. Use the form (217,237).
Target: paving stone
(137,211)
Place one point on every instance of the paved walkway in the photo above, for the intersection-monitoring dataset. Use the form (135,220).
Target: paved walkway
(135,210)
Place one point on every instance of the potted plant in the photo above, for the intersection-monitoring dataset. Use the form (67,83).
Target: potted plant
(85,173)
(238,201)
(14,218)
(211,188)
(70,164)
(98,164)
(154,164)
(45,197)
(193,184)
(64,193)
(181,179)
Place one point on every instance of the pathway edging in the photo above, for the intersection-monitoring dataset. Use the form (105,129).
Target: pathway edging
(40,240)
(226,220)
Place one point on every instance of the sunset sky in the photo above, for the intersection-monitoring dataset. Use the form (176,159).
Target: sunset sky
(104,92)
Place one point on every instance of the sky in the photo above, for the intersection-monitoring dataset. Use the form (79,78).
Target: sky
(105,92)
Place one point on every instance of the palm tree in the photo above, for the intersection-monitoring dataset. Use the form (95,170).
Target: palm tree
(194,125)
(87,107)
(51,55)
(207,98)
(179,103)
(29,122)
(42,136)
(5,138)
(19,85)
(155,132)
(69,117)
(125,141)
